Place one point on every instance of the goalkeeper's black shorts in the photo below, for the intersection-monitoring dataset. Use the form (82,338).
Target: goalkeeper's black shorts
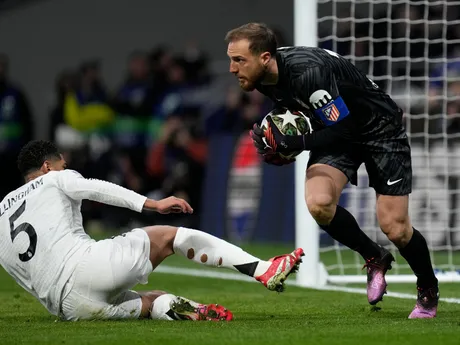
(387,161)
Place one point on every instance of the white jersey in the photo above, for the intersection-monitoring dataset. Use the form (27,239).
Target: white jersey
(41,229)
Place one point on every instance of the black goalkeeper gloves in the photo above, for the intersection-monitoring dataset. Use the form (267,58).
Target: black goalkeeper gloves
(266,148)
(273,141)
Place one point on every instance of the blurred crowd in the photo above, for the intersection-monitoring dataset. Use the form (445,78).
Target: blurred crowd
(150,134)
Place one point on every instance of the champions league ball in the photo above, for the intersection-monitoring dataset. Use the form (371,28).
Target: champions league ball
(289,124)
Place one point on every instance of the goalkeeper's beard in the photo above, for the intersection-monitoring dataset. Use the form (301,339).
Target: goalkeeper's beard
(259,78)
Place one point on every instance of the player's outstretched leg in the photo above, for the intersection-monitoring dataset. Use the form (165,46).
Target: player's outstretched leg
(393,216)
(323,188)
(209,250)
(206,249)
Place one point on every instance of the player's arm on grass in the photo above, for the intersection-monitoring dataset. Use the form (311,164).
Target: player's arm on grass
(77,187)
(316,86)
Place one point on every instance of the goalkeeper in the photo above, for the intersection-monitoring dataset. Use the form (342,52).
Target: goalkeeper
(354,122)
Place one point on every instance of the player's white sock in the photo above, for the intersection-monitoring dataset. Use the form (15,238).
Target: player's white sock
(161,308)
(212,251)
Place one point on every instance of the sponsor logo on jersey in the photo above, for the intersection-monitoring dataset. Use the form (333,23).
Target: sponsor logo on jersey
(327,108)
(331,112)
(320,98)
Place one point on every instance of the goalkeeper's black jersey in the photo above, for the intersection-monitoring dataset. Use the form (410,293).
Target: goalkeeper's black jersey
(327,88)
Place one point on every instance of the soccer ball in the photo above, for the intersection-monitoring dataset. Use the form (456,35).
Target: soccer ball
(289,124)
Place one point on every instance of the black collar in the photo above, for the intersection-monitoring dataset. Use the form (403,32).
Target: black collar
(281,77)
(280,65)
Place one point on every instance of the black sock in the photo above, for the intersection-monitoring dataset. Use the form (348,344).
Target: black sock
(249,269)
(417,256)
(345,229)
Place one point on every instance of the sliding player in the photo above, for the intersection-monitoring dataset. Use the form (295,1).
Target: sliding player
(44,247)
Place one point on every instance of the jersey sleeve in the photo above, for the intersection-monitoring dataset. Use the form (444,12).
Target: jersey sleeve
(318,86)
(77,187)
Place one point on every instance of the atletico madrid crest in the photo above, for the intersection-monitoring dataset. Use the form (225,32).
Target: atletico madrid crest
(331,112)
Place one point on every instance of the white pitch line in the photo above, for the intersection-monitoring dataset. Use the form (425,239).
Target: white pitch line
(204,273)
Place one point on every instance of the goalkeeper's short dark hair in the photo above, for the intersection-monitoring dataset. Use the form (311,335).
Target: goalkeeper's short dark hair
(34,154)
(261,38)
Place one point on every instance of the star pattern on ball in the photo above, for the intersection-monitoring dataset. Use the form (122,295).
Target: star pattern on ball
(288,118)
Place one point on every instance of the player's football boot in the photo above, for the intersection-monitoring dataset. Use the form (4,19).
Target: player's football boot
(376,270)
(427,304)
(279,270)
(189,310)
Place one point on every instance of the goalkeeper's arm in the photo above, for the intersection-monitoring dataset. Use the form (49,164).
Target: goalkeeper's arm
(320,87)
(329,136)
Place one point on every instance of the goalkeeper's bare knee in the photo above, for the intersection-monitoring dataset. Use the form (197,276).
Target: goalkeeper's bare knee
(322,191)
(322,208)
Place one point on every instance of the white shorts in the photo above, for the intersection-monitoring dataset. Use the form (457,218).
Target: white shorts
(99,286)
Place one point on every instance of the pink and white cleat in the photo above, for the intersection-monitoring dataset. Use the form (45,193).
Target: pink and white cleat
(280,269)
(376,270)
(427,304)
(186,309)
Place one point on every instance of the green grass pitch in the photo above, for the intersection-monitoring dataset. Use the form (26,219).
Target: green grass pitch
(297,316)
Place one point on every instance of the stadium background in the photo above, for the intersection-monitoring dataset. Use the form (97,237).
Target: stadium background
(182,129)
(139,94)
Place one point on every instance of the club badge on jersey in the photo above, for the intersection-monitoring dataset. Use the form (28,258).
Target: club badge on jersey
(329,110)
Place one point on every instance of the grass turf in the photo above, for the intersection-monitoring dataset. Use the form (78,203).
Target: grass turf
(261,317)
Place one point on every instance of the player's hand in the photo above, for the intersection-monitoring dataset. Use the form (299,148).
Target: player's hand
(168,205)
(270,157)
(257,135)
(273,141)
(276,159)
(276,140)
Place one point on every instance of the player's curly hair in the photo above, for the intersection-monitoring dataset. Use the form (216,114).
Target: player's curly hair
(261,38)
(34,154)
